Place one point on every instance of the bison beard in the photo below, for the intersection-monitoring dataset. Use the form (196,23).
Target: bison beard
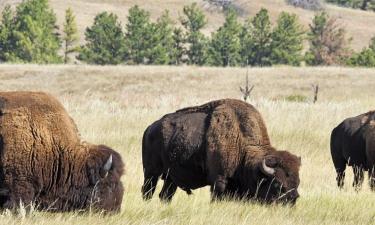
(223,144)
(43,161)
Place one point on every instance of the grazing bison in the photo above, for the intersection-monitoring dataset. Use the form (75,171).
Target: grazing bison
(353,144)
(223,144)
(43,161)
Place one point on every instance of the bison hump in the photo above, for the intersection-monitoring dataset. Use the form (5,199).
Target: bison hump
(183,135)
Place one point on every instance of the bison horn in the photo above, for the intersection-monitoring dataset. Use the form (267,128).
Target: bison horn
(108,164)
(268,170)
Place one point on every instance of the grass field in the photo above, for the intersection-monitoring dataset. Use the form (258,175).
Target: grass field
(113,106)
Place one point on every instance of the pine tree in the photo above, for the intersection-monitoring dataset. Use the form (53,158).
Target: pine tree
(256,40)
(225,45)
(193,21)
(161,41)
(105,41)
(70,34)
(178,49)
(6,28)
(287,41)
(35,33)
(138,34)
(328,42)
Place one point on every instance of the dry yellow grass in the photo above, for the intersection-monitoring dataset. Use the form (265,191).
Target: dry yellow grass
(113,106)
(359,24)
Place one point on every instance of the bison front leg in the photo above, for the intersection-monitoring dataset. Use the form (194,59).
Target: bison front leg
(358,177)
(21,194)
(218,188)
(168,190)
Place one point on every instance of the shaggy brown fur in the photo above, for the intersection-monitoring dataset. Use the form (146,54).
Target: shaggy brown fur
(222,144)
(353,144)
(44,162)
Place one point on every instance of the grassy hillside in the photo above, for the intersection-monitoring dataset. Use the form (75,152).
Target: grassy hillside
(358,23)
(113,106)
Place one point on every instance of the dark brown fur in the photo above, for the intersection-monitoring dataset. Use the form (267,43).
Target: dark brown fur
(44,162)
(221,144)
(353,144)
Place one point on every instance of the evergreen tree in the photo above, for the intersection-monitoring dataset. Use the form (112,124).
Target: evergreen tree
(178,49)
(287,41)
(35,33)
(6,28)
(138,34)
(328,42)
(256,40)
(105,41)
(161,41)
(193,21)
(225,45)
(70,34)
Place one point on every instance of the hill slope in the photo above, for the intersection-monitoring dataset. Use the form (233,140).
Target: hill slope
(357,22)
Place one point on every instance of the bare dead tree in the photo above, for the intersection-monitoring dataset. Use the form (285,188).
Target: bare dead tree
(315,88)
(246,91)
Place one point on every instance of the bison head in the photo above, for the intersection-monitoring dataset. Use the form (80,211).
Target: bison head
(104,169)
(279,180)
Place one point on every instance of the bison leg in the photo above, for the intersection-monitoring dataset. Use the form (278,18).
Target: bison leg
(218,188)
(149,186)
(340,178)
(340,165)
(358,177)
(371,177)
(21,193)
(168,190)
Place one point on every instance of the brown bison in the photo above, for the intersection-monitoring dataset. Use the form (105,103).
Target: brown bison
(353,144)
(223,144)
(43,161)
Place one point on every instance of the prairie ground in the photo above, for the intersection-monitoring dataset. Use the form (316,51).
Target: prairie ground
(113,106)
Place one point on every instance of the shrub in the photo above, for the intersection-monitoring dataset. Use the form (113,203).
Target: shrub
(295,98)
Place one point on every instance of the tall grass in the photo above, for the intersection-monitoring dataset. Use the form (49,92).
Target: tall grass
(113,106)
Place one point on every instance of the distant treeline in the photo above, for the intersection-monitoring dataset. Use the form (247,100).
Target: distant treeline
(29,34)
(357,4)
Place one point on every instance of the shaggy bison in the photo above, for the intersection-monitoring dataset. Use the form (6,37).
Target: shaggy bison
(353,144)
(223,144)
(43,161)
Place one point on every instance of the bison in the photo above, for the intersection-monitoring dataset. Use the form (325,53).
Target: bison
(353,144)
(223,144)
(43,162)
